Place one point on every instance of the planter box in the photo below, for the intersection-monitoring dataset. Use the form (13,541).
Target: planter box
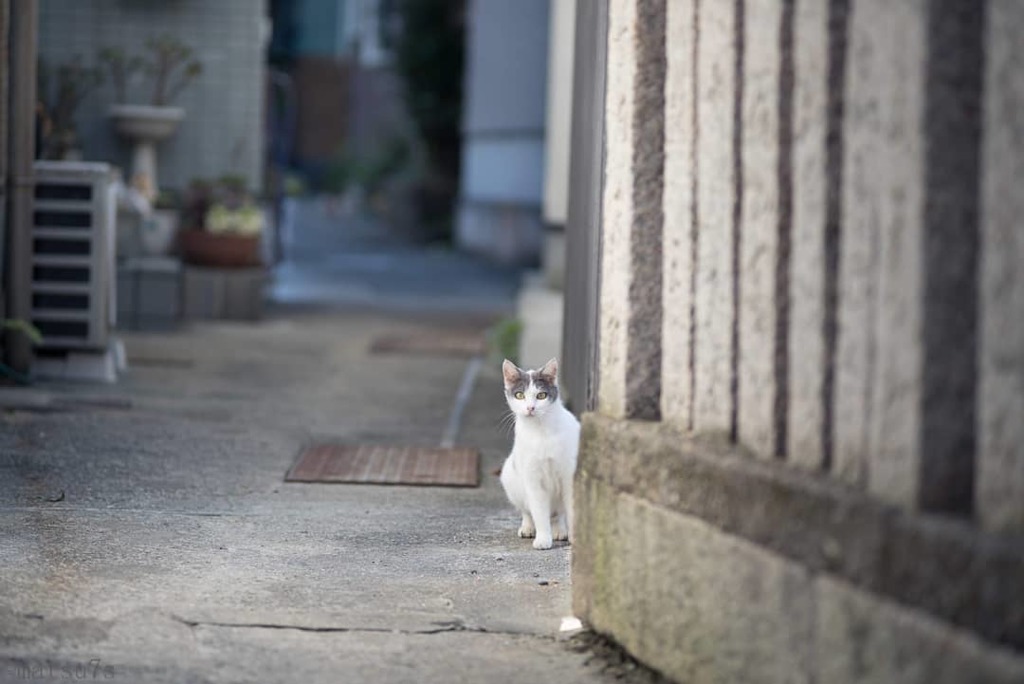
(225,250)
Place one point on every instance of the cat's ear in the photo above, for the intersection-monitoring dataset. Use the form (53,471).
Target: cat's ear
(550,370)
(510,372)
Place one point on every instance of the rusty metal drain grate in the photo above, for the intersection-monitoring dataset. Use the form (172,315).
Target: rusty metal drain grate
(382,464)
(436,342)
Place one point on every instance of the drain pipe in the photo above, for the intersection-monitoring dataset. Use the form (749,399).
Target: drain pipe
(4,135)
(5,32)
(24,17)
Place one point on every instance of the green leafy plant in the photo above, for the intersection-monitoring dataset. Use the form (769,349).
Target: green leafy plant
(171,65)
(294,185)
(369,172)
(427,41)
(338,175)
(167,199)
(168,62)
(390,159)
(25,328)
(243,220)
(121,67)
(61,92)
(503,339)
(224,205)
(30,331)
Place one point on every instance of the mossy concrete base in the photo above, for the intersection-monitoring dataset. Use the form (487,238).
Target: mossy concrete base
(702,604)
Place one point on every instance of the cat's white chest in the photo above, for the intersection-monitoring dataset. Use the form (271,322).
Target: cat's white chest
(545,446)
(538,446)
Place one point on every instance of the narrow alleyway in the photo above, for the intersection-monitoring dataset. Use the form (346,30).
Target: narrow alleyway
(145,527)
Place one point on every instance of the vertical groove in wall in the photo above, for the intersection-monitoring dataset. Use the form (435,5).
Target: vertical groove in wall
(598,146)
(838,13)
(737,215)
(785,226)
(953,133)
(694,211)
(580,338)
(643,353)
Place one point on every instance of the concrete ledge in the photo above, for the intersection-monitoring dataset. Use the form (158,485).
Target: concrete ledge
(942,566)
(703,605)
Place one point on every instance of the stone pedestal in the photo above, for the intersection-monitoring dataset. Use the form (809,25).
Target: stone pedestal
(149,293)
(223,293)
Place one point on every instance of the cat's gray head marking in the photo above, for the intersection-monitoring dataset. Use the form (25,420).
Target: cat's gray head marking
(530,393)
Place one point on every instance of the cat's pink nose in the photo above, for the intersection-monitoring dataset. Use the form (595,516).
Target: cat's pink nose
(529,409)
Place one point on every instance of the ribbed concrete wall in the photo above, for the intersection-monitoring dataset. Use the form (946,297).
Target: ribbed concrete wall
(833,235)
(1000,469)
(716,169)
(679,214)
(840,312)
(631,262)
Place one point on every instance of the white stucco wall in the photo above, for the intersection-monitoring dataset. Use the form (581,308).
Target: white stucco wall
(504,115)
(559,111)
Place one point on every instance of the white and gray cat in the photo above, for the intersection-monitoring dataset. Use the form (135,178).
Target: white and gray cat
(537,475)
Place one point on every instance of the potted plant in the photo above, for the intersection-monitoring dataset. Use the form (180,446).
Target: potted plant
(60,95)
(23,327)
(171,66)
(222,225)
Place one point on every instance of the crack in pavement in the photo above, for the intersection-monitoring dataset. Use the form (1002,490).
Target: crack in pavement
(142,511)
(443,628)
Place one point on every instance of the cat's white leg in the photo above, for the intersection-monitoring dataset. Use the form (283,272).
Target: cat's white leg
(527,529)
(515,489)
(567,507)
(559,528)
(540,510)
(516,492)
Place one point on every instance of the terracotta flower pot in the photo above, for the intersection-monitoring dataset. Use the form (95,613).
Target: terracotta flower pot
(220,250)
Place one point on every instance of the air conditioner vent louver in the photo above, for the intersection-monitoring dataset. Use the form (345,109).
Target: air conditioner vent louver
(64,219)
(74,302)
(66,247)
(62,191)
(72,256)
(55,274)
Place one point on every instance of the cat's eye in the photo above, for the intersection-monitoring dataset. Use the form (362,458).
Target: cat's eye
(542,395)
(520,395)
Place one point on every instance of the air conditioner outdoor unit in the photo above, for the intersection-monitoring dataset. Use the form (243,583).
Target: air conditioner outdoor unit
(73,255)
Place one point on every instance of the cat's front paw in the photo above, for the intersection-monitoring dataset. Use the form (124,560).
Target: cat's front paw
(559,533)
(527,531)
(541,543)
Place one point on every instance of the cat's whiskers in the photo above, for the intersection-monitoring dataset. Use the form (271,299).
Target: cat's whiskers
(507,422)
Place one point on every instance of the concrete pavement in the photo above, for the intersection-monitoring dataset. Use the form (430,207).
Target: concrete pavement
(146,532)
